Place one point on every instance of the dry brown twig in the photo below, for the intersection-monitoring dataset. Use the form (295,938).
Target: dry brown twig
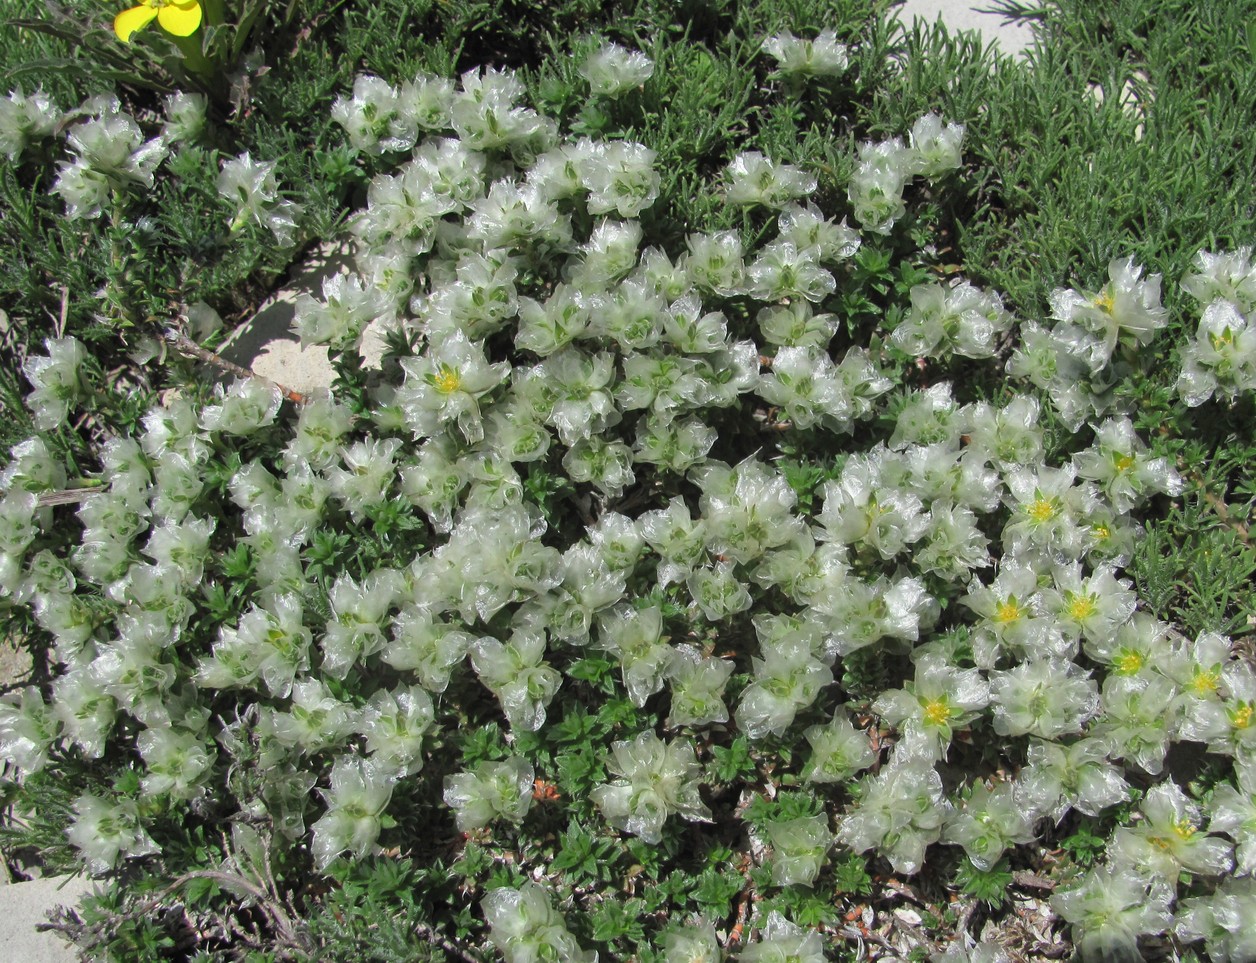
(69,496)
(185,345)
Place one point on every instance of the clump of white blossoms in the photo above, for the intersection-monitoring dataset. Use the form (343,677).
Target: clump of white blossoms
(251,188)
(799,848)
(1126,311)
(612,70)
(526,927)
(28,729)
(838,751)
(106,832)
(695,943)
(780,939)
(1096,335)
(58,380)
(1111,908)
(513,670)
(358,794)
(990,821)
(952,319)
(886,168)
(493,790)
(805,57)
(1221,920)
(901,810)
(446,385)
(757,180)
(1222,360)
(25,119)
(656,779)
(185,117)
(377,118)
(1170,839)
(605,481)
(110,154)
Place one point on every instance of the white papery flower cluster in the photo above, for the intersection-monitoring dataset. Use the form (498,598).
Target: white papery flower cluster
(802,57)
(1221,360)
(612,70)
(545,341)
(111,159)
(1077,359)
(952,319)
(252,188)
(887,167)
(185,117)
(379,118)
(109,154)
(58,380)
(526,927)
(25,119)
(656,779)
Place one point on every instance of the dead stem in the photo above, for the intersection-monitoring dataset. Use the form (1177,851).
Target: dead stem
(187,346)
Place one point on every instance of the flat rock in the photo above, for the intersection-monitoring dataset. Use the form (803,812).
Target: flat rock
(15,665)
(25,905)
(267,345)
(1012,38)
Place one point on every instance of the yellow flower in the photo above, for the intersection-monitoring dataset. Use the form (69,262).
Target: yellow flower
(179,17)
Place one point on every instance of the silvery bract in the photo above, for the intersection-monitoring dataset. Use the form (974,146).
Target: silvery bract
(612,70)
(525,927)
(780,941)
(799,848)
(492,790)
(656,779)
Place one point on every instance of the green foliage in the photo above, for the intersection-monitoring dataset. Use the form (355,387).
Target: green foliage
(617,920)
(598,673)
(481,743)
(579,770)
(715,891)
(1195,564)
(586,857)
(787,805)
(732,762)
(375,914)
(1083,845)
(990,886)
(850,875)
(803,905)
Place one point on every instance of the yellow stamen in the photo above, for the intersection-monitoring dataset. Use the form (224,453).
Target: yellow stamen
(1129,662)
(1104,302)
(1205,681)
(1042,510)
(1123,463)
(1006,612)
(1241,717)
(1183,828)
(1222,340)
(937,712)
(1101,532)
(1081,607)
(447,380)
